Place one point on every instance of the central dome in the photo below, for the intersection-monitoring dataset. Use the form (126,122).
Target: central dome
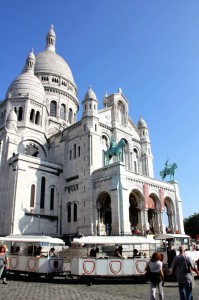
(51,63)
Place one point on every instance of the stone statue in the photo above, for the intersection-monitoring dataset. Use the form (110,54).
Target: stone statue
(168,170)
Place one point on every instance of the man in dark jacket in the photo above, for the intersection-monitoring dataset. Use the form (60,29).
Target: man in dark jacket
(181,268)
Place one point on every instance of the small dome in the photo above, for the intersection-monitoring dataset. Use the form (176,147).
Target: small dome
(90,95)
(27,84)
(141,123)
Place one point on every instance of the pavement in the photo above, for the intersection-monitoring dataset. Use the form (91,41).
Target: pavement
(24,287)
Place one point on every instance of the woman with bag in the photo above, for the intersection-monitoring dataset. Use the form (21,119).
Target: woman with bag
(155,275)
(3,263)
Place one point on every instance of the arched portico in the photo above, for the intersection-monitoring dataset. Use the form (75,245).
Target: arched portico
(154,214)
(169,213)
(135,210)
(104,213)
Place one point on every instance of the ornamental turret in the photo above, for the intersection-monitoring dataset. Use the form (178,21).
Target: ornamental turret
(146,159)
(89,104)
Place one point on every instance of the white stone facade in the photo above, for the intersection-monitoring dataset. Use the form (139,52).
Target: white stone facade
(55,176)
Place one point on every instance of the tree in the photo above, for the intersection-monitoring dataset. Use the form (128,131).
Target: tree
(191,225)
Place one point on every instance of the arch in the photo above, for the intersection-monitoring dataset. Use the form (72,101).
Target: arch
(53,108)
(104,213)
(135,205)
(153,207)
(169,214)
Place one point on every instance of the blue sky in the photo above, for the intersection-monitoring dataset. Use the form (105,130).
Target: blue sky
(149,48)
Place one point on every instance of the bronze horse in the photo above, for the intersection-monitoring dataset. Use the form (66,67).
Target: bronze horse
(114,150)
(169,171)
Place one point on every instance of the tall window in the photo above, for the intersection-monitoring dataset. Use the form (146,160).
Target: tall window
(75,154)
(42,196)
(53,108)
(69,212)
(63,112)
(32,115)
(70,115)
(79,151)
(75,212)
(135,167)
(37,118)
(52,195)
(32,196)
(20,115)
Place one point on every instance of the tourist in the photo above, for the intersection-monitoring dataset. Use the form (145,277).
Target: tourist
(52,252)
(118,252)
(3,263)
(156,276)
(181,269)
(94,251)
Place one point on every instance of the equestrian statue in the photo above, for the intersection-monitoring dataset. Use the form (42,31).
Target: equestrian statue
(168,170)
(114,149)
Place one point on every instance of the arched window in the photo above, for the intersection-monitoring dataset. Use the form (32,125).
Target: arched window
(42,196)
(53,108)
(69,212)
(32,115)
(135,167)
(63,112)
(70,115)
(32,196)
(75,148)
(37,118)
(75,212)
(52,196)
(20,114)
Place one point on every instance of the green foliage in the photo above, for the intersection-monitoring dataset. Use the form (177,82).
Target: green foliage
(191,225)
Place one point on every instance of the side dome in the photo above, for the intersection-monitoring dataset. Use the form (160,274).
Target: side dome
(50,62)
(90,94)
(141,123)
(27,84)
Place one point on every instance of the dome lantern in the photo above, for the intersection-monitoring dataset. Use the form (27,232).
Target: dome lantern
(50,40)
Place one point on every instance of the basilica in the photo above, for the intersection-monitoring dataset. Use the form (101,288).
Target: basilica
(63,176)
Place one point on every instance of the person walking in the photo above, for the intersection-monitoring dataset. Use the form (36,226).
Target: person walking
(181,269)
(3,263)
(156,276)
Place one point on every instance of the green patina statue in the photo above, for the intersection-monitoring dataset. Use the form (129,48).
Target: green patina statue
(114,149)
(168,170)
